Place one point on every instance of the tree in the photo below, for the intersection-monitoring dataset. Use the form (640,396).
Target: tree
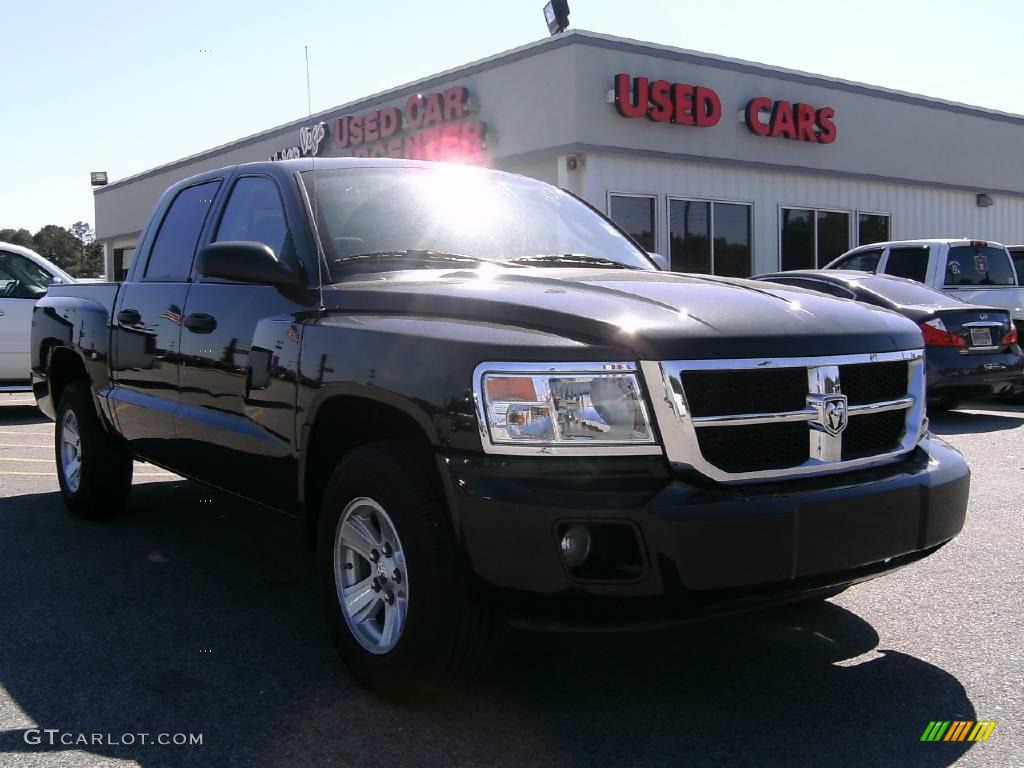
(20,237)
(90,254)
(58,245)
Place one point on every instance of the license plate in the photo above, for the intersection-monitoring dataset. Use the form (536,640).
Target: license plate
(981,337)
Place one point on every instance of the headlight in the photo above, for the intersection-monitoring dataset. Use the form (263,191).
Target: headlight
(562,409)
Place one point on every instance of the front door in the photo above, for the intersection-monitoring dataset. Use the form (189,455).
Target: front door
(145,356)
(240,351)
(22,281)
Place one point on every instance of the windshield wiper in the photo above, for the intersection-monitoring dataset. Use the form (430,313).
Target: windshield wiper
(411,254)
(569,258)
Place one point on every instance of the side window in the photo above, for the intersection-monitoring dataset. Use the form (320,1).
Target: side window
(175,244)
(1018,263)
(254,213)
(21,278)
(910,262)
(862,261)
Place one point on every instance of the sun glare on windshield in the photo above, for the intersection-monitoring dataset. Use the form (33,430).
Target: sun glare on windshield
(462,200)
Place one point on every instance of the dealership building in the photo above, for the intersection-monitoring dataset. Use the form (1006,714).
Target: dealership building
(722,165)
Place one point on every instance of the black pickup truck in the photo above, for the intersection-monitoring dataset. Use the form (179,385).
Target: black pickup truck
(483,400)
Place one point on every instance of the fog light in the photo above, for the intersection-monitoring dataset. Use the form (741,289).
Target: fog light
(576,546)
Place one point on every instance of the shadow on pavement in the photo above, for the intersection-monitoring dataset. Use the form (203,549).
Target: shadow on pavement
(106,626)
(996,419)
(12,415)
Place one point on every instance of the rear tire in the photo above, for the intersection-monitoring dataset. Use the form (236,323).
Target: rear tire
(1012,397)
(410,635)
(93,467)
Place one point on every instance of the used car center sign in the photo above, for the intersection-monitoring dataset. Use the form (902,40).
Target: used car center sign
(431,126)
(663,102)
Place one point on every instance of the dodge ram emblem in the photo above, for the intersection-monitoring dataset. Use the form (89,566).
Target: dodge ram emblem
(830,413)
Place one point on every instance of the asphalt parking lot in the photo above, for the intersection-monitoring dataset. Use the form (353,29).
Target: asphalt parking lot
(195,613)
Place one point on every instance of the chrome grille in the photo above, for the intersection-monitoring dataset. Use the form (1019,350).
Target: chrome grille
(757,419)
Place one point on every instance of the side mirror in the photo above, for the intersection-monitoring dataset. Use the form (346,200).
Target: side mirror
(245,262)
(661,261)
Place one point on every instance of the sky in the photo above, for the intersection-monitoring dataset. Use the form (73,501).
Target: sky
(125,86)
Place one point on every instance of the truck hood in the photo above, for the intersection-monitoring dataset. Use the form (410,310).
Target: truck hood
(656,315)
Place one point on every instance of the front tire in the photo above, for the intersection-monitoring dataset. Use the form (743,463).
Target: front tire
(94,469)
(942,403)
(401,611)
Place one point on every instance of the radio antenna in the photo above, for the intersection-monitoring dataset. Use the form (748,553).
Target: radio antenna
(315,208)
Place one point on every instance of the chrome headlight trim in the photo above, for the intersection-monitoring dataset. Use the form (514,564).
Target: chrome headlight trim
(597,448)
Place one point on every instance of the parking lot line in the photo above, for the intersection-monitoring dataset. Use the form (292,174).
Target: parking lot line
(54,474)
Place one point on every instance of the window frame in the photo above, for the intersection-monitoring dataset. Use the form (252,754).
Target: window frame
(655,235)
(143,265)
(287,256)
(40,267)
(1014,254)
(711,201)
(898,246)
(860,250)
(814,210)
(866,212)
(943,271)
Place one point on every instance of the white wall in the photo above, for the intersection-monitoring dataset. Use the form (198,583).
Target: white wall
(916,211)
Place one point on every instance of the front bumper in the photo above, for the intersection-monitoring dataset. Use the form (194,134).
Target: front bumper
(949,372)
(704,548)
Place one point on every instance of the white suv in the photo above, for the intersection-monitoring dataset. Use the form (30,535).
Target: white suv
(976,271)
(24,277)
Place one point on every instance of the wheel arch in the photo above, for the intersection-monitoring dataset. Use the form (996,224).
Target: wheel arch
(63,366)
(342,420)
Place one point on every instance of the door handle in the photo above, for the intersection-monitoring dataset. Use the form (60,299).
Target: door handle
(200,322)
(129,317)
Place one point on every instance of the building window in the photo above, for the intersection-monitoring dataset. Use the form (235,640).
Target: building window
(872,228)
(811,238)
(710,237)
(635,214)
(122,261)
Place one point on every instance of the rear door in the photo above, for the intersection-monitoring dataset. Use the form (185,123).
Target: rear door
(145,357)
(982,273)
(240,348)
(22,281)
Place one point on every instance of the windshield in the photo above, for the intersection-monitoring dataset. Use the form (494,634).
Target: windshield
(370,217)
(1018,263)
(21,278)
(978,265)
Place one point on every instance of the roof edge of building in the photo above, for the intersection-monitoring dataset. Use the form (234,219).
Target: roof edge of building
(599,40)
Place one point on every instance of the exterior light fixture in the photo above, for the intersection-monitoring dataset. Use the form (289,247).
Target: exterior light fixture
(984,201)
(556,14)
(98,178)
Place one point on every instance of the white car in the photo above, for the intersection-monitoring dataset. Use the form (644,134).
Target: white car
(975,271)
(24,277)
